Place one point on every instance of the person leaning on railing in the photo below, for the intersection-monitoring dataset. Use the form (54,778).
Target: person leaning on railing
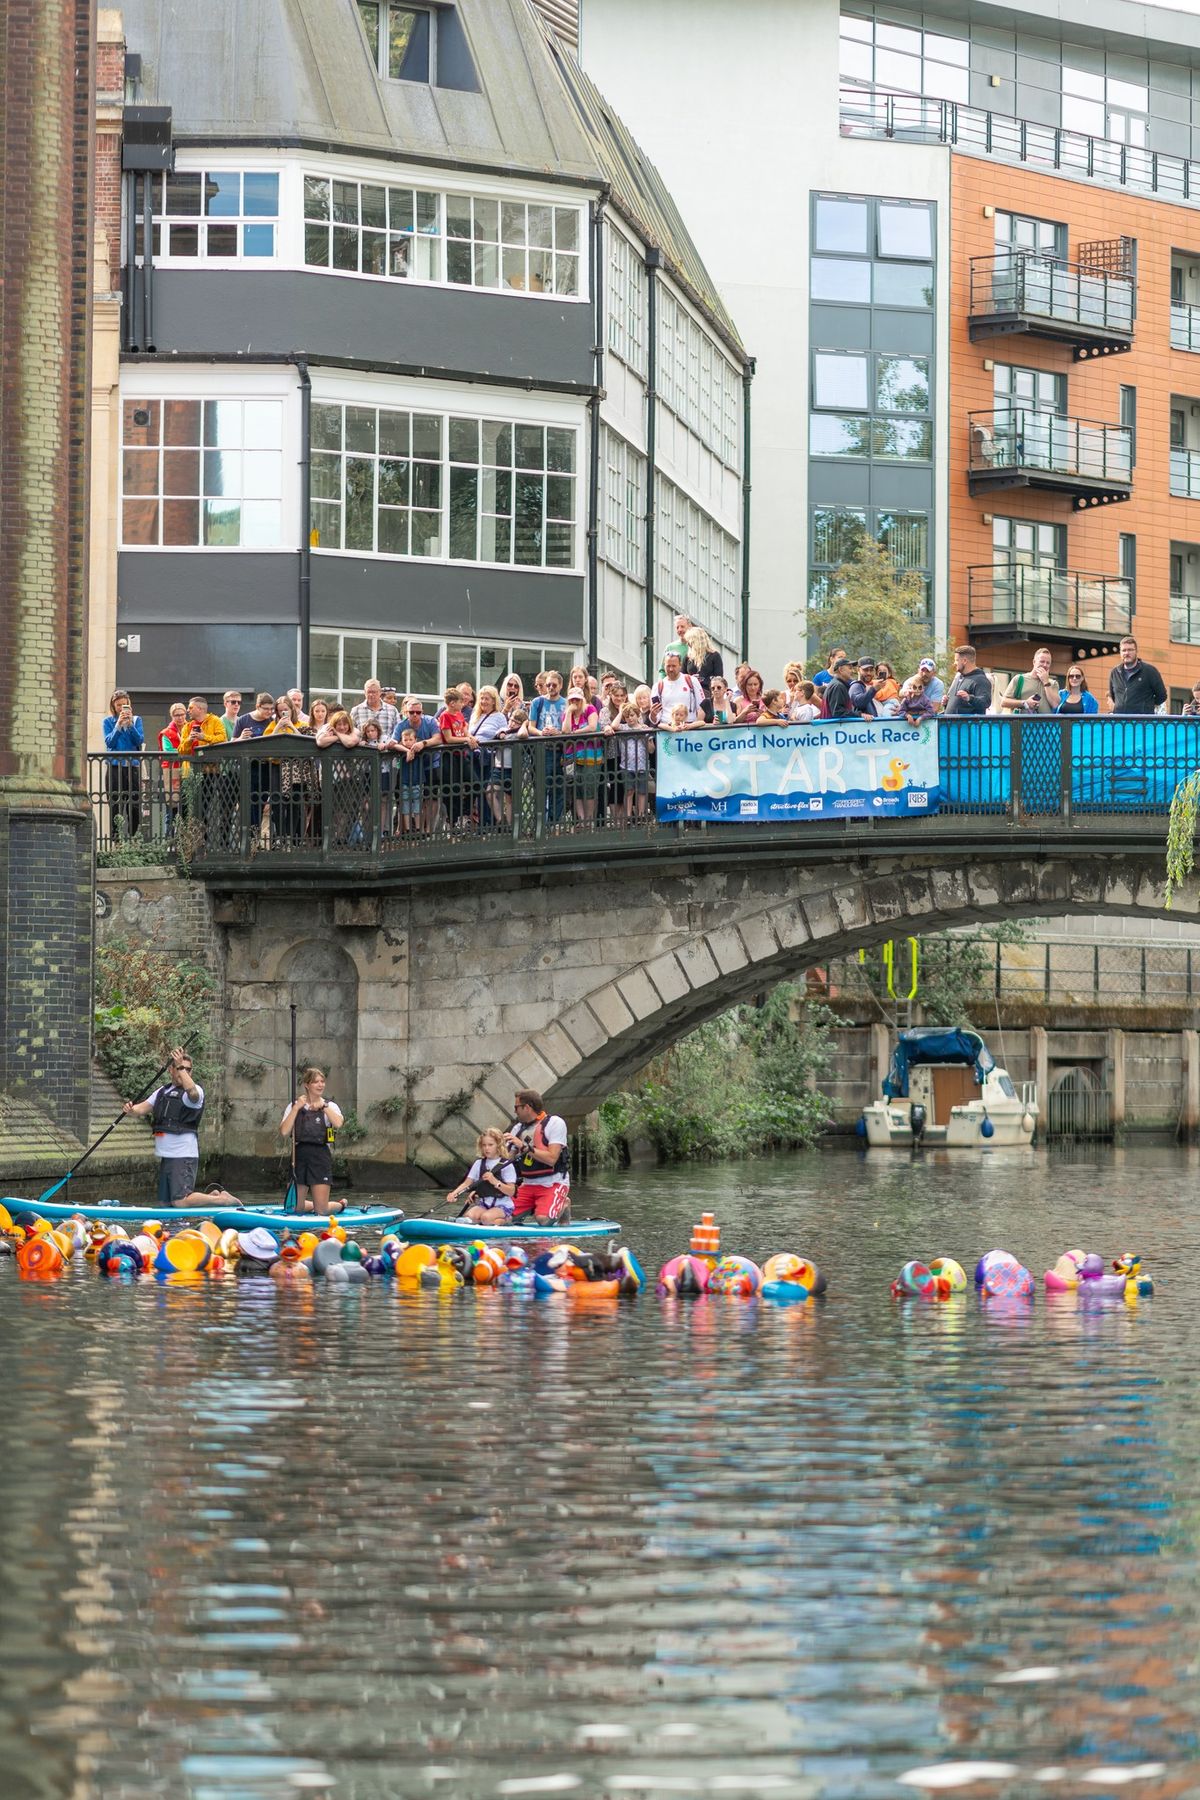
(124,734)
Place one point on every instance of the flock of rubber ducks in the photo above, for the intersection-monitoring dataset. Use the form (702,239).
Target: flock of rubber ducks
(43,1251)
(1000,1276)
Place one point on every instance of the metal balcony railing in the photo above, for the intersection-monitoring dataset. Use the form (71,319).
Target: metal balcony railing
(1050,448)
(1066,600)
(870,112)
(1185,474)
(1047,294)
(1185,618)
(1185,326)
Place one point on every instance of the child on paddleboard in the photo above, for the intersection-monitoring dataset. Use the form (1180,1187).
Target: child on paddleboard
(492,1182)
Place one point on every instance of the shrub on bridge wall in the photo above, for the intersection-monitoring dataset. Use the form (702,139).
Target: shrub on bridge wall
(147,1001)
(739,1086)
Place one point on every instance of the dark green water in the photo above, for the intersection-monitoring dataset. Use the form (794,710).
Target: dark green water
(261,1540)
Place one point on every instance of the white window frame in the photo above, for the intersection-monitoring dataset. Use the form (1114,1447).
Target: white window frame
(698,380)
(221,162)
(293,166)
(559,656)
(623,542)
(379,61)
(626,299)
(192,381)
(347,389)
(690,542)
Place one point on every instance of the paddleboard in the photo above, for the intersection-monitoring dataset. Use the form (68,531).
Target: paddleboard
(455,1231)
(239,1218)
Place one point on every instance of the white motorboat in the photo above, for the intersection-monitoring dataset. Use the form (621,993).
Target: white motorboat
(944,1089)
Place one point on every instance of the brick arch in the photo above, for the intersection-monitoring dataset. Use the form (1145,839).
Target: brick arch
(582,1053)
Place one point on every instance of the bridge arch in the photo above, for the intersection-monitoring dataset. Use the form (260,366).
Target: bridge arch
(723,939)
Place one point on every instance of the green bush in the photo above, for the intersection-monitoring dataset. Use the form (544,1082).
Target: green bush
(147,1002)
(738,1086)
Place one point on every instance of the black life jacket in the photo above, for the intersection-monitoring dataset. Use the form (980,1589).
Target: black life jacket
(170,1114)
(484,1189)
(312,1126)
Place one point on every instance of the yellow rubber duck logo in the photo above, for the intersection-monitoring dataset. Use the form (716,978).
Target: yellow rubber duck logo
(893,781)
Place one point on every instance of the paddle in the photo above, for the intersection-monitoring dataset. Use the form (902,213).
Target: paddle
(150,1085)
(290,1198)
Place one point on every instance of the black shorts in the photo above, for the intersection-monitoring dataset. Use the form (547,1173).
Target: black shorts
(314,1165)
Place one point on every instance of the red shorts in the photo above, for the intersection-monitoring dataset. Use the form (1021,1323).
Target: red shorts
(546,1201)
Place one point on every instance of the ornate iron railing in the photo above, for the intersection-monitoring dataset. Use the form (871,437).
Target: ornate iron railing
(304,809)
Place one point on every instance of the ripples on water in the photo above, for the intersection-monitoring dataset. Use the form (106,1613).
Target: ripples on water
(262,1540)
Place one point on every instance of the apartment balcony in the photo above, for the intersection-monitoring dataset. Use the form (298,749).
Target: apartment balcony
(1049,452)
(1076,303)
(1185,618)
(909,118)
(1185,474)
(1015,603)
(1185,326)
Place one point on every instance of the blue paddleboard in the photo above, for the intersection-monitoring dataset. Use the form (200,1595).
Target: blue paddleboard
(455,1231)
(239,1218)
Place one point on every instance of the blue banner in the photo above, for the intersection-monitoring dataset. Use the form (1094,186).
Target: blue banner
(832,769)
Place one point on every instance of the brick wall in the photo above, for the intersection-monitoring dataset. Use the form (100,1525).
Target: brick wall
(1152,367)
(46,139)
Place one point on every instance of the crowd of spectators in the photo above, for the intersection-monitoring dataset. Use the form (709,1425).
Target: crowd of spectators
(452,768)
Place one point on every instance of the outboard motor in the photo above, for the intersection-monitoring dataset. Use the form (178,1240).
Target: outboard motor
(918,1119)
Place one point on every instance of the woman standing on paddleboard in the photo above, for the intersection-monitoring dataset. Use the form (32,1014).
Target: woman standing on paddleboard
(313,1118)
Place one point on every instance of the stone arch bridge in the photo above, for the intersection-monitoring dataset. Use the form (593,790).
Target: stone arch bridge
(567,965)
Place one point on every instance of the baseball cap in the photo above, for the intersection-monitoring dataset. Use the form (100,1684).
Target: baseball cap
(576,693)
(866,662)
(927,662)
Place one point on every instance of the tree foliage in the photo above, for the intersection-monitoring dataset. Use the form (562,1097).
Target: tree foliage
(737,1086)
(954,974)
(146,1003)
(873,609)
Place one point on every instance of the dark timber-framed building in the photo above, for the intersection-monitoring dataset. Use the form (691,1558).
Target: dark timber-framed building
(422,376)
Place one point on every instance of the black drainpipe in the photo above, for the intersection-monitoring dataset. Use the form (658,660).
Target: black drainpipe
(653,265)
(593,536)
(747,378)
(131,309)
(305,579)
(147,264)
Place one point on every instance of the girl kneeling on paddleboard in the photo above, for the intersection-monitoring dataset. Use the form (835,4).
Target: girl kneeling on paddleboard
(492,1182)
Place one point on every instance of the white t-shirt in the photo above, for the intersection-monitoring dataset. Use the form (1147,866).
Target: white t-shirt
(170,1144)
(685,688)
(554,1131)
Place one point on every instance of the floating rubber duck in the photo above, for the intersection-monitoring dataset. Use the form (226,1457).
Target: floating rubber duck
(736,1275)
(791,1278)
(939,1279)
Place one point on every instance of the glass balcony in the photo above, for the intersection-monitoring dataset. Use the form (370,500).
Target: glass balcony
(1185,326)
(1040,296)
(870,112)
(1014,601)
(1185,618)
(1023,447)
(1185,474)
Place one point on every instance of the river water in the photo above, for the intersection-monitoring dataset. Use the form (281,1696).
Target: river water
(261,1540)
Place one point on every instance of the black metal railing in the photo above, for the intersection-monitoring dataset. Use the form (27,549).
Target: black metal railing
(869,112)
(1185,326)
(1024,438)
(303,808)
(1033,285)
(1185,474)
(1055,599)
(1185,618)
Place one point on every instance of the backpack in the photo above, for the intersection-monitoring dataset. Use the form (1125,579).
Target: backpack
(694,688)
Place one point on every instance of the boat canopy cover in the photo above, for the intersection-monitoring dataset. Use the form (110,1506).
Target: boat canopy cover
(934,1044)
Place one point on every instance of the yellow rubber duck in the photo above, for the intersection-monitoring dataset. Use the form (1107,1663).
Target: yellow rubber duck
(894,779)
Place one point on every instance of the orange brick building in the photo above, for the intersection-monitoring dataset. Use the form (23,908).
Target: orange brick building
(1144,548)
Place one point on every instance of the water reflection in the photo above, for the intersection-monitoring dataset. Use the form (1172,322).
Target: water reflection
(264,1538)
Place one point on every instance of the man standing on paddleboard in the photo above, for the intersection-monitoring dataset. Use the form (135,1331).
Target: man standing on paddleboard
(175,1111)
